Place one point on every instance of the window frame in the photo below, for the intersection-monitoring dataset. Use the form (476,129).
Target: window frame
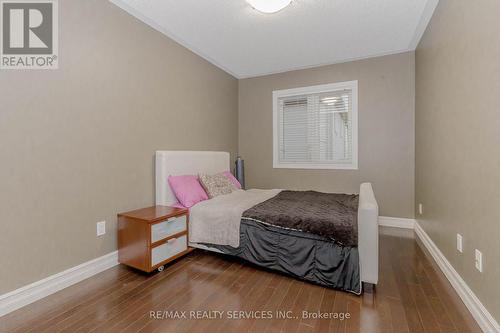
(323,88)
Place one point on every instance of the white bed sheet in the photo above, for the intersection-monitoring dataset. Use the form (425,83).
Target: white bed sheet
(217,221)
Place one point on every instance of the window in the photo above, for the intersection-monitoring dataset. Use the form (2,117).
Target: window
(316,127)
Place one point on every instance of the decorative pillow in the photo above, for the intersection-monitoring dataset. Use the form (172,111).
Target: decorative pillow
(187,190)
(217,184)
(233,180)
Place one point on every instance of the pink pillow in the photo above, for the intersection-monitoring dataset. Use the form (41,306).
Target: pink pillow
(187,189)
(232,179)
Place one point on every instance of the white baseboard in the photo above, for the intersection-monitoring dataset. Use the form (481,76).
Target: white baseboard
(33,292)
(396,222)
(479,312)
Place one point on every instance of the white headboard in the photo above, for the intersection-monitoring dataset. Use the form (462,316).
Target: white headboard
(178,163)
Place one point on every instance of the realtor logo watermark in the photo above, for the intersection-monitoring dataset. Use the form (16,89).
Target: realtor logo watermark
(29,36)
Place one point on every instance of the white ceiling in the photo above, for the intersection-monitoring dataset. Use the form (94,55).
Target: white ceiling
(246,43)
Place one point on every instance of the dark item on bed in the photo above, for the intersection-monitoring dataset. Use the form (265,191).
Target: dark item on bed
(330,215)
(303,255)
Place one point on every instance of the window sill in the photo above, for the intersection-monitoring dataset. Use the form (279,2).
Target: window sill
(315,166)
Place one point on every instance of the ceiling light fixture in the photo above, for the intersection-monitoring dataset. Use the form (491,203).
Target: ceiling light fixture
(269,6)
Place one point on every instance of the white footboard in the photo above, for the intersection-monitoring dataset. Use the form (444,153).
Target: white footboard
(368,234)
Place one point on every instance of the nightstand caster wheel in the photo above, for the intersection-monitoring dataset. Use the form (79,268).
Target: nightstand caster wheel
(161,268)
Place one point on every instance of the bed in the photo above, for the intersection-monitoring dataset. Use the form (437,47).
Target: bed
(233,225)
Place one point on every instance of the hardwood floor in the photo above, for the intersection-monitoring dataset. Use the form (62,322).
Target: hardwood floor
(412,296)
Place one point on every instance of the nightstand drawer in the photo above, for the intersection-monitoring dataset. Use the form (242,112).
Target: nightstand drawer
(168,228)
(169,249)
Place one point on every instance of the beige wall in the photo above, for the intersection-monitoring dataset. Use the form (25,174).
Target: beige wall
(386,131)
(458,138)
(77,144)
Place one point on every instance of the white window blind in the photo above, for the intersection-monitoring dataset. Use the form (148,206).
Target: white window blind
(316,127)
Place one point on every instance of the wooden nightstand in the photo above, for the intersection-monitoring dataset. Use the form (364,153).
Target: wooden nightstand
(149,238)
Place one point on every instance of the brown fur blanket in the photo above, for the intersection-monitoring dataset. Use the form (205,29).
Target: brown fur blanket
(330,215)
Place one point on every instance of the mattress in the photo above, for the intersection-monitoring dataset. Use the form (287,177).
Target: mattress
(240,224)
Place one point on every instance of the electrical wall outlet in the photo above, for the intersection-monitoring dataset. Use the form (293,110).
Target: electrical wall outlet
(101,228)
(420,208)
(479,261)
(460,243)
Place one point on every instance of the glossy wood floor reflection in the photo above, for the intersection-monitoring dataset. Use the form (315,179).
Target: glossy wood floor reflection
(412,296)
